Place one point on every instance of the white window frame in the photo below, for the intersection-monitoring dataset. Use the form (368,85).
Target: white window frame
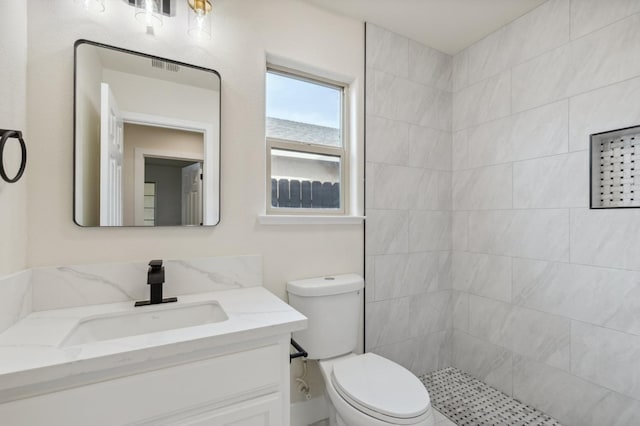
(311,148)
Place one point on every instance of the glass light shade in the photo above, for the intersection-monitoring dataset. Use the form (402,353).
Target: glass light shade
(200,18)
(92,5)
(149,13)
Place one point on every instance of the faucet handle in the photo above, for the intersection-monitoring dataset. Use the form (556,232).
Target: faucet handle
(156,264)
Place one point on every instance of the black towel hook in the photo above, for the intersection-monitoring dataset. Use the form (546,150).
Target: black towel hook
(6,134)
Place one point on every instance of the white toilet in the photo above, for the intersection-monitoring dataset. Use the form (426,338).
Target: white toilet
(364,390)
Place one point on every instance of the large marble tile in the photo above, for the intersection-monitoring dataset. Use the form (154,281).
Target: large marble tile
(387,322)
(538,31)
(431,190)
(429,148)
(609,108)
(387,51)
(430,66)
(552,182)
(429,230)
(606,297)
(483,101)
(387,141)
(430,313)
(422,354)
(460,302)
(490,320)
(386,232)
(569,399)
(395,187)
(460,150)
(580,66)
(540,132)
(590,15)
(483,188)
(482,275)
(606,237)
(460,72)
(543,337)
(606,357)
(410,274)
(489,143)
(370,278)
(16,294)
(483,360)
(459,230)
(535,234)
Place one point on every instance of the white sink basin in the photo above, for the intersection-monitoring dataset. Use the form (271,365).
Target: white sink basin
(143,320)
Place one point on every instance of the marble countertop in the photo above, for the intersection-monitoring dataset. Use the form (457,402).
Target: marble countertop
(33,359)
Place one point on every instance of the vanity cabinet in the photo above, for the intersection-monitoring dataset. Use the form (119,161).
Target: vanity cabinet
(240,385)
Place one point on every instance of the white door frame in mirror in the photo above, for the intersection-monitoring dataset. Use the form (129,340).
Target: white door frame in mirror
(211,157)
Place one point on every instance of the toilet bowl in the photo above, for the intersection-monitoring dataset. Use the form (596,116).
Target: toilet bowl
(368,390)
(363,390)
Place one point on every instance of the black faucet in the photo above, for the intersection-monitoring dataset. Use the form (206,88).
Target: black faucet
(155,278)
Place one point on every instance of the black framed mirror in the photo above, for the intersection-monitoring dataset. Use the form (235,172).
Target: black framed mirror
(146,140)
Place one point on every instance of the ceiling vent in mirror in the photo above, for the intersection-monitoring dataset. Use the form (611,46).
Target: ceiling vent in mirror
(168,7)
(163,65)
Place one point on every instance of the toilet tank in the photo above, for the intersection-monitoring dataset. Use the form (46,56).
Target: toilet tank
(332,306)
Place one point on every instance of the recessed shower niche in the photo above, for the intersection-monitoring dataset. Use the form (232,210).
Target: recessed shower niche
(615,180)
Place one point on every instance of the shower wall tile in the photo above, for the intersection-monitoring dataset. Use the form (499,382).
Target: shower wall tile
(590,15)
(460,302)
(579,66)
(429,230)
(606,238)
(387,322)
(606,357)
(408,201)
(540,131)
(489,143)
(536,234)
(387,232)
(387,141)
(542,337)
(483,275)
(370,278)
(411,274)
(483,188)
(460,72)
(608,108)
(430,67)
(389,52)
(459,230)
(430,313)
(552,182)
(485,361)
(540,30)
(490,320)
(460,150)
(483,101)
(571,400)
(600,296)
(395,186)
(429,148)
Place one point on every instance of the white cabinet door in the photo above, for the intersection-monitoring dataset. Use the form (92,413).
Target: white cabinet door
(262,411)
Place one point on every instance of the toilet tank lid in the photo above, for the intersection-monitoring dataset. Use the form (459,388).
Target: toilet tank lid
(326,286)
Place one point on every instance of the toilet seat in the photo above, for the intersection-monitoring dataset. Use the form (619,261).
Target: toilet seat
(381,389)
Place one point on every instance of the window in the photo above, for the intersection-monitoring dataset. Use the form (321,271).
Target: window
(306,147)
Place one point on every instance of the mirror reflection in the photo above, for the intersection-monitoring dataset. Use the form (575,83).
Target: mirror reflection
(146,140)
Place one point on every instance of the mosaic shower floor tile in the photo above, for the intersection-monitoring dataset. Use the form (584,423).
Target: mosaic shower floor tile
(469,402)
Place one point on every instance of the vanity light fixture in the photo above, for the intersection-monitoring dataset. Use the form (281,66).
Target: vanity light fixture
(199,19)
(92,5)
(149,13)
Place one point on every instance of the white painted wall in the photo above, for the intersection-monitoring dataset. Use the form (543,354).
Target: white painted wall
(244,32)
(13,101)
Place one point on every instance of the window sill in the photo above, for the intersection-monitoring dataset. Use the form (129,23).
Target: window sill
(309,220)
